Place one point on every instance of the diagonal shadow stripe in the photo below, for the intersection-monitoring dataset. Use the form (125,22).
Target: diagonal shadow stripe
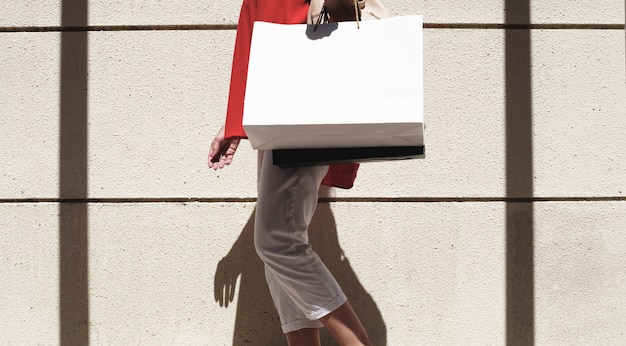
(73,256)
(520,297)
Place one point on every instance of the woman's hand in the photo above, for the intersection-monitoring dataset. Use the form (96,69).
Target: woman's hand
(340,10)
(222,150)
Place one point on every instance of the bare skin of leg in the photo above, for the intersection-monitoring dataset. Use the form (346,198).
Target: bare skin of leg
(304,337)
(344,325)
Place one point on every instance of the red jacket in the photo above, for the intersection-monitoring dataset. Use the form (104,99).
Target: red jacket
(275,11)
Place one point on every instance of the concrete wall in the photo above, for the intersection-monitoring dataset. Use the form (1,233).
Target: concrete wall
(114,232)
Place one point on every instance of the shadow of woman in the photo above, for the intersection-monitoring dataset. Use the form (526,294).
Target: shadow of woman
(257,322)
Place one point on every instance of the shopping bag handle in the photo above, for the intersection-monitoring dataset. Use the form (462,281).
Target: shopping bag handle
(323,16)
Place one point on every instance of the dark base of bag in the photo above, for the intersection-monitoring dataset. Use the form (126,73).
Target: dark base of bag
(286,158)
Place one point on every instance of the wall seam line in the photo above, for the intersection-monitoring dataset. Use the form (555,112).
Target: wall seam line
(321,200)
(220,27)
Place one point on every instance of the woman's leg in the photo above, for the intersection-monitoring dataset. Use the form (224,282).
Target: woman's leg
(304,337)
(344,325)
(303,289)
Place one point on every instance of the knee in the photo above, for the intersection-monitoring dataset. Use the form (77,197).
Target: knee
(266,248)
(261,247)
(278,249)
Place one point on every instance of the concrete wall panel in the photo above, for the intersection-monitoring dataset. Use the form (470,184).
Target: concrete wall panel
(580,265)
(544,11)
(426,271)
(29,114)
(578,11)
(438,277)
(163,12)
(156,267)
(48,13)
(152,269)
(156,101)
(31,13)
(579,112)
(29,268)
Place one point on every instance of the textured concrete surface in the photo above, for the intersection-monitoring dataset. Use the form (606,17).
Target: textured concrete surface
(156,97)
(144,12)
(416,271)
(432,251)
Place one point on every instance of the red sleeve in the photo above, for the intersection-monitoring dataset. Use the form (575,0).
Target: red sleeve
(275,11)
(234,112)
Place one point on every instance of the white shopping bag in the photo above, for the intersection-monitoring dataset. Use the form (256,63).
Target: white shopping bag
(336,87)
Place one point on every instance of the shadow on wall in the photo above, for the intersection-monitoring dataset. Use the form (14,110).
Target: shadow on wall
(73,223)
(520,286)
(257,322)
